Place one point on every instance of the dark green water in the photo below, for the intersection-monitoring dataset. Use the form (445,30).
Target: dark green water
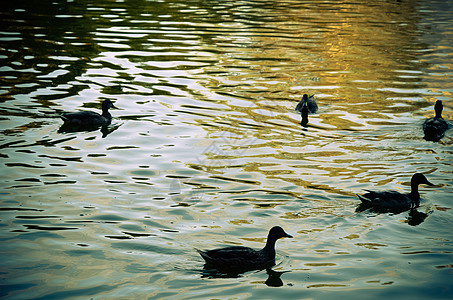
(206,150)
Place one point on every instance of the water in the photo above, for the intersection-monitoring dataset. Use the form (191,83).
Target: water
(206,150)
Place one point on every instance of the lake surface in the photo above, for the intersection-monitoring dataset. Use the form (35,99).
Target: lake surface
(206,150)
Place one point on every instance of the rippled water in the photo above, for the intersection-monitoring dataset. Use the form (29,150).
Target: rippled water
(206,148)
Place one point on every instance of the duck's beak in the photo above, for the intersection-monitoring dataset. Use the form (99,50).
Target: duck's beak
(429,183)
(288,236)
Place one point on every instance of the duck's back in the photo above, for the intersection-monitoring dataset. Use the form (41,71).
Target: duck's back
(434,128)
(387,201)
(236,257)
(84,118)
(312,105)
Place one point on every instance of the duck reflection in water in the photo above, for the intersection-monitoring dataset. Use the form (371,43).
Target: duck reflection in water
(392,201)
(273,277)
(89,120)
(304,115)
(234,260)
(105,129)
(416,217)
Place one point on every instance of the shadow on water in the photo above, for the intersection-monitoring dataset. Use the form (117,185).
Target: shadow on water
(228,271)
(273,279)
(104,129)
(304,122)
(414,216)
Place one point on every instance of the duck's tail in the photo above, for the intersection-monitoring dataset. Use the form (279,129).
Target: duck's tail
(364,205)
(64,118)
(201,252)
(364,200)
(204,255)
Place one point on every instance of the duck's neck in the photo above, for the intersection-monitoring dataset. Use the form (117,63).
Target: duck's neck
(438,109)
(414,194)
(105,113)
(270,247)
(439,114)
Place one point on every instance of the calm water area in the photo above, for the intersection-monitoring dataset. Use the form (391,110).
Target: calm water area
(206,149)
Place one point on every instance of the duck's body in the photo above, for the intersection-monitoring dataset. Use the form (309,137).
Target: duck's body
(89,118)
(310,102)
(392,201)
(434,128)
(236,257)
(239,258)
(389,201)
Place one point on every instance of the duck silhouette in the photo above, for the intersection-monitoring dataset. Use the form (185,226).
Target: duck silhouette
(310,102)
(89,118)
(434,128)
(238,259)
(392,201)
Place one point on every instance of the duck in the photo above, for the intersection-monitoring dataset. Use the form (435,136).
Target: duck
(392,201)
(434,128)
(240,258)
(310,101)
(89,118)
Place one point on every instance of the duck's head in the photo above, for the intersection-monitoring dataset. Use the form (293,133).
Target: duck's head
(106,104)
(438,107)
(419,178)
(305,97)
(277,232)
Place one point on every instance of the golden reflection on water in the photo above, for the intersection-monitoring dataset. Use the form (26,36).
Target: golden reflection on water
(353,56)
